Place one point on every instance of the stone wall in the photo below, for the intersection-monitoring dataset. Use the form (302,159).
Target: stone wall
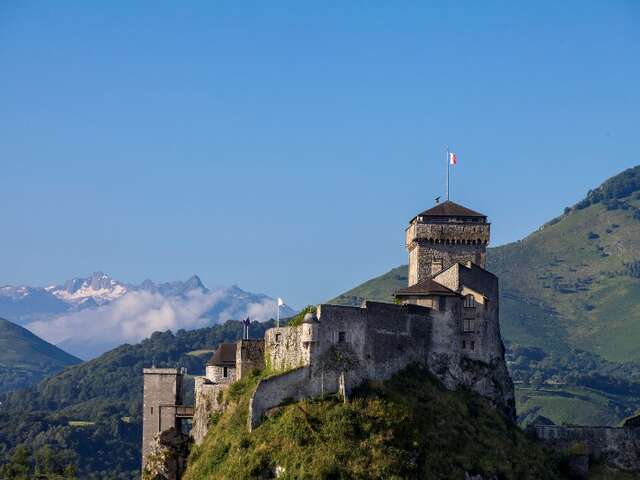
(273,391)
(374,343)
(216,374)
(284,349)
(617,447)
(249,357)
(207,401)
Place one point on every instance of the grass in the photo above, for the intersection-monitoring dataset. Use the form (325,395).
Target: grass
(602,472)
(408,427)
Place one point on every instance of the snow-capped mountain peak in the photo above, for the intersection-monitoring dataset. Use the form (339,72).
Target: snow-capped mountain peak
(99,287)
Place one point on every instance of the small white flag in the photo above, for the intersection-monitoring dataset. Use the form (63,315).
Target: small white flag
(280,302)
(453,158)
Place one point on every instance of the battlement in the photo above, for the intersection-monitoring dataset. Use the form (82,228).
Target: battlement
(448,234)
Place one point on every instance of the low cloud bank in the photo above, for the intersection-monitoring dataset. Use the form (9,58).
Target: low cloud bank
(138,314)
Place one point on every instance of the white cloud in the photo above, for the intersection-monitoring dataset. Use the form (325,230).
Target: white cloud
(138,314)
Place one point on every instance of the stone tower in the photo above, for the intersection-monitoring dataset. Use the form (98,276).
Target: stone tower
(162,394)
(443,235)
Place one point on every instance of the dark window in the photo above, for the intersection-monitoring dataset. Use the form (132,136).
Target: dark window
(152,410)
(342,337)
(225,372)
(442,303)
(278,335)
(469,325)
(464,344)
(473,345)
(469,302)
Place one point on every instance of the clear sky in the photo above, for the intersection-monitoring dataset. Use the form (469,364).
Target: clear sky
(283,146)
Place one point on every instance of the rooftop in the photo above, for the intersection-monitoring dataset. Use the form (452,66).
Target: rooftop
(451,209)
(224,356)
(426,287)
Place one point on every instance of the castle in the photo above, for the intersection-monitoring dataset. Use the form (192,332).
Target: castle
(446,319)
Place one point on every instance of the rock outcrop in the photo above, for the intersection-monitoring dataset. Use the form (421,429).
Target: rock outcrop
(167,458)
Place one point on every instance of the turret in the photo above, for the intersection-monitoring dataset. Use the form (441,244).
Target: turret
(443,235)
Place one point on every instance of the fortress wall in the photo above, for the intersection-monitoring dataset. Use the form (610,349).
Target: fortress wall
(249,357)
(371,343)
(206,402)
(284,349)
(618,447)
(273,391)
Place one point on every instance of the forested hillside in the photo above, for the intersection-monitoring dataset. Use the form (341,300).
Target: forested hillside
(90,414)
(26,359)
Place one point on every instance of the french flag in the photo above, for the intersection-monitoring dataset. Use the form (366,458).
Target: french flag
(453,159)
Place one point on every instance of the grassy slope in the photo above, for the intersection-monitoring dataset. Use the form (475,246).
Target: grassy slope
(407,428)
(26,359)
(572,405)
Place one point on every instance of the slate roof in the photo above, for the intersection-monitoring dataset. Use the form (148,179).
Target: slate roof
(224,356)
(450,209)
(426,287)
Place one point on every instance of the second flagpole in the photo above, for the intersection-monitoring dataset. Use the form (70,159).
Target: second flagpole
(448,155)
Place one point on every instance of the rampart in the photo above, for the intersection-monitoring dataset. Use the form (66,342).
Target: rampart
(618,447)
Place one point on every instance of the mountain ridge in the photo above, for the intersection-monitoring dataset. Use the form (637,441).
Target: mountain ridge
(26,359)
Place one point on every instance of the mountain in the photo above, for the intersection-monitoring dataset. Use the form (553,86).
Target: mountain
(90,315)
(26,359)
(98,289)
(91,413)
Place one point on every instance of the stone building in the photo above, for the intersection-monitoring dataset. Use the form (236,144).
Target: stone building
(447,319)
(162,407)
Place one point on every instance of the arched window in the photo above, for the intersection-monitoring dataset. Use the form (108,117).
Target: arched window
(469,301)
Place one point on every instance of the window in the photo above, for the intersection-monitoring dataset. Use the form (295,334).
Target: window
(469,302)
(473,345)
(464,344)
(225,372)
(278,335)
(151,410)
(442,303)
(469,325)
(342,337)
(436,266)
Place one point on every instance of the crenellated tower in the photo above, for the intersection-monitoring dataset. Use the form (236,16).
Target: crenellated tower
(443,235)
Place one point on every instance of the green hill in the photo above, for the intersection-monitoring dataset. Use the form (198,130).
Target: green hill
(408,427)
(90,414)
(26,359)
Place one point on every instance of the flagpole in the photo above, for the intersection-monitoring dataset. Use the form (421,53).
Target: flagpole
(448,155)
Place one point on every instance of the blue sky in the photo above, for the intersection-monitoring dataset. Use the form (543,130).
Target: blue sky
(283,146)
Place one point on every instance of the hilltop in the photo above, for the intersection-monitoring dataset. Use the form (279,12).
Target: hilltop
(26,359)
(408,427)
